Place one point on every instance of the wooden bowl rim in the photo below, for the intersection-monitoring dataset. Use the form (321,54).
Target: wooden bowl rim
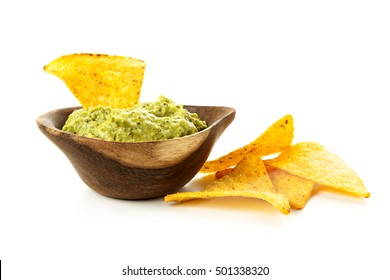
(42,120)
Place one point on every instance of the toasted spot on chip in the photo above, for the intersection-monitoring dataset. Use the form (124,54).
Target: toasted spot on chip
(98,79)
(248,179)
(312,161)
(275,139)
(297,190)
(221,173)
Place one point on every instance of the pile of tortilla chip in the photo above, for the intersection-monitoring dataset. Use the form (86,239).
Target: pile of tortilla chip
(100,79)
(285,181)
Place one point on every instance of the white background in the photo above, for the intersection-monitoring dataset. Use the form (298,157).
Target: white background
(325,62)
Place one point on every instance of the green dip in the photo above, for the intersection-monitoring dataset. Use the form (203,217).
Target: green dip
(146,121)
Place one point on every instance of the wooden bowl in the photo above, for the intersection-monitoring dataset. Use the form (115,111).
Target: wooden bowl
(137,170)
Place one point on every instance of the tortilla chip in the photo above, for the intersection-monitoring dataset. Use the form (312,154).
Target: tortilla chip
(275,139)
(248,179)
(296,189)
(97,79)
(313,162)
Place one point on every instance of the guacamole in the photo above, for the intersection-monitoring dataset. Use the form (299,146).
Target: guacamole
(146,121)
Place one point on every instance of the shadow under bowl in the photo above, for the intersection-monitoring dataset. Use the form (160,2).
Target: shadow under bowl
(137,170)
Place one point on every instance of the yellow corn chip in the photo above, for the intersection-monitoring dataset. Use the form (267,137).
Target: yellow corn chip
(97,79)
(296,189)
(275,139)
(312,161)
(248,179)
